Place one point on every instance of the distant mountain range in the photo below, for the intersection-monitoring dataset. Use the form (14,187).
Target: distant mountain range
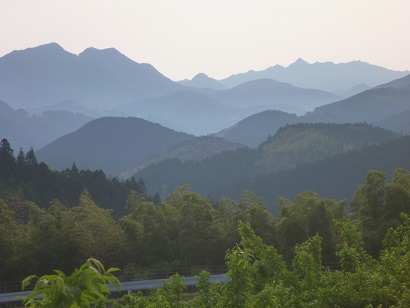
(387,105)
(206,112)
(107,83)
(186,111)
(24,130)
(325,76)
(371,106)
(268,92)
(58,88)
(202,81)
(48,74)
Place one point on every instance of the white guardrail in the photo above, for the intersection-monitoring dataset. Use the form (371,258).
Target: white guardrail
(127,286)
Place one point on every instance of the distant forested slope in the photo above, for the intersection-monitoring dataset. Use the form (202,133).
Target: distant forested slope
(292,146)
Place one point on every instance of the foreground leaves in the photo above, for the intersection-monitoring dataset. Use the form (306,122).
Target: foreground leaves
(85,286)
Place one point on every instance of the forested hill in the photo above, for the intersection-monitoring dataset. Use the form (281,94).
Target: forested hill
(290,147)
(22,177)
(111,144)
(194,150)
(300,143)
(334,177)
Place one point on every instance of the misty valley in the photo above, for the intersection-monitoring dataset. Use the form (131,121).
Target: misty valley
(294,181)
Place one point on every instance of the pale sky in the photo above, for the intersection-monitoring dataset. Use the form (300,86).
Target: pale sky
(218,37)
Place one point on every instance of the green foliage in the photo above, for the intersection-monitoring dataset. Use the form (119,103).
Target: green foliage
(280,261)
(377,205)
(173,289)
(307,216)
(90,231)
(258,277)
(86,285)
(351,252)
(207,293)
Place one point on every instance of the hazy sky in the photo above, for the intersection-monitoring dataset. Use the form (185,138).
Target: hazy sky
(218,37)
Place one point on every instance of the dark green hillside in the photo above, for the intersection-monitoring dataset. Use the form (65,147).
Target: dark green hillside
(203,176)
(300,143)
(111,144)
(192,150)
(291,146)
(200,148)
(334,177)
(253,130)
(22,177)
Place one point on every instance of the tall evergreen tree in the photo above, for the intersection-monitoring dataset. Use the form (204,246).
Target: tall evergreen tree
(31,157)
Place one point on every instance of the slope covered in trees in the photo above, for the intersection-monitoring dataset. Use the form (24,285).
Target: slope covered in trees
(23,177)
(291,252)
(192,150)
(229,173)
(258,276)
(334,177)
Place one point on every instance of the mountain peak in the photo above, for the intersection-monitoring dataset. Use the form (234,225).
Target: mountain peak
(202,80)
(49,46)
(45,49)
(95,51)
(201,76)
(299,61)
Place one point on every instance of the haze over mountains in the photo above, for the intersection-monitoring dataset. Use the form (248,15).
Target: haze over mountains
(111,144)
(325,76)
(274,136)
(24,130)
(202,81)
(118,144)
(107,83)
(48,74)
(62,92)
(371,106)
